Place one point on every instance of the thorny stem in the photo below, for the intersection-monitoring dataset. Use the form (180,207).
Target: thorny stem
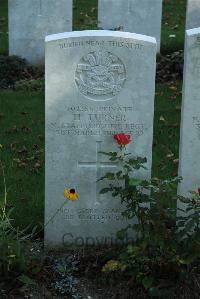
(54,215)
(138,214)
(140,219)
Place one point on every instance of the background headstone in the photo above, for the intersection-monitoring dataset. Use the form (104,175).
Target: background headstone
(31,20)
(189,167)
(98,83)
(138,16)
(193,14)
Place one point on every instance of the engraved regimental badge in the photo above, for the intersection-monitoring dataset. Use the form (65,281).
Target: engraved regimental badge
(100,75)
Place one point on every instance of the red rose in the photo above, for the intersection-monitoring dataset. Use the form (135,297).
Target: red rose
(198,189)
(122,139)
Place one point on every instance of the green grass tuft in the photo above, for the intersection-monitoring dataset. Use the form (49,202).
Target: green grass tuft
(173,24)
(22,137)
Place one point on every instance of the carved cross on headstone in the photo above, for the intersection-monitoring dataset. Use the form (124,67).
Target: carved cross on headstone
(98,164)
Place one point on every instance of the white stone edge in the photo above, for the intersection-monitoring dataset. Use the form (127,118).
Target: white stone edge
(100,33)
(193,31)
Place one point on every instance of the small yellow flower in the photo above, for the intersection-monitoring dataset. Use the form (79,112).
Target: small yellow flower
(71,194)
(1,146)
(112,266)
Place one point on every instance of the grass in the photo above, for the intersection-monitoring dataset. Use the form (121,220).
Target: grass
(85,14)
(22,137)
(166,130)
(173,25)
(85,17)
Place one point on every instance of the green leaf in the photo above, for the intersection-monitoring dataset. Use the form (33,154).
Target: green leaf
(118,175)
(105,190)
(147,282)
(122,233)
(111,154)
(188,260)
(184,199)
(110,176)
(156,292)
(127,167)
(113,158)
(135,182)
(26,280)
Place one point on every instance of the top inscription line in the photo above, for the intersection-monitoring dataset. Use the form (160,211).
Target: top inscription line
(102,43)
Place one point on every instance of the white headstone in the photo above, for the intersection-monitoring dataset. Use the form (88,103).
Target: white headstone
(193,12)
(31,20)
(189,167)
(138,16)
(98,83)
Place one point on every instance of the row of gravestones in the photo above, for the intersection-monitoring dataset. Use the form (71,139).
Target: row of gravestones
(30,21)
(99,83)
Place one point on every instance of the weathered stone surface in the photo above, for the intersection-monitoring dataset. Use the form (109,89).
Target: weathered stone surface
(193,12)
(98,83)
(31,20)
(138,16)
(189,167)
